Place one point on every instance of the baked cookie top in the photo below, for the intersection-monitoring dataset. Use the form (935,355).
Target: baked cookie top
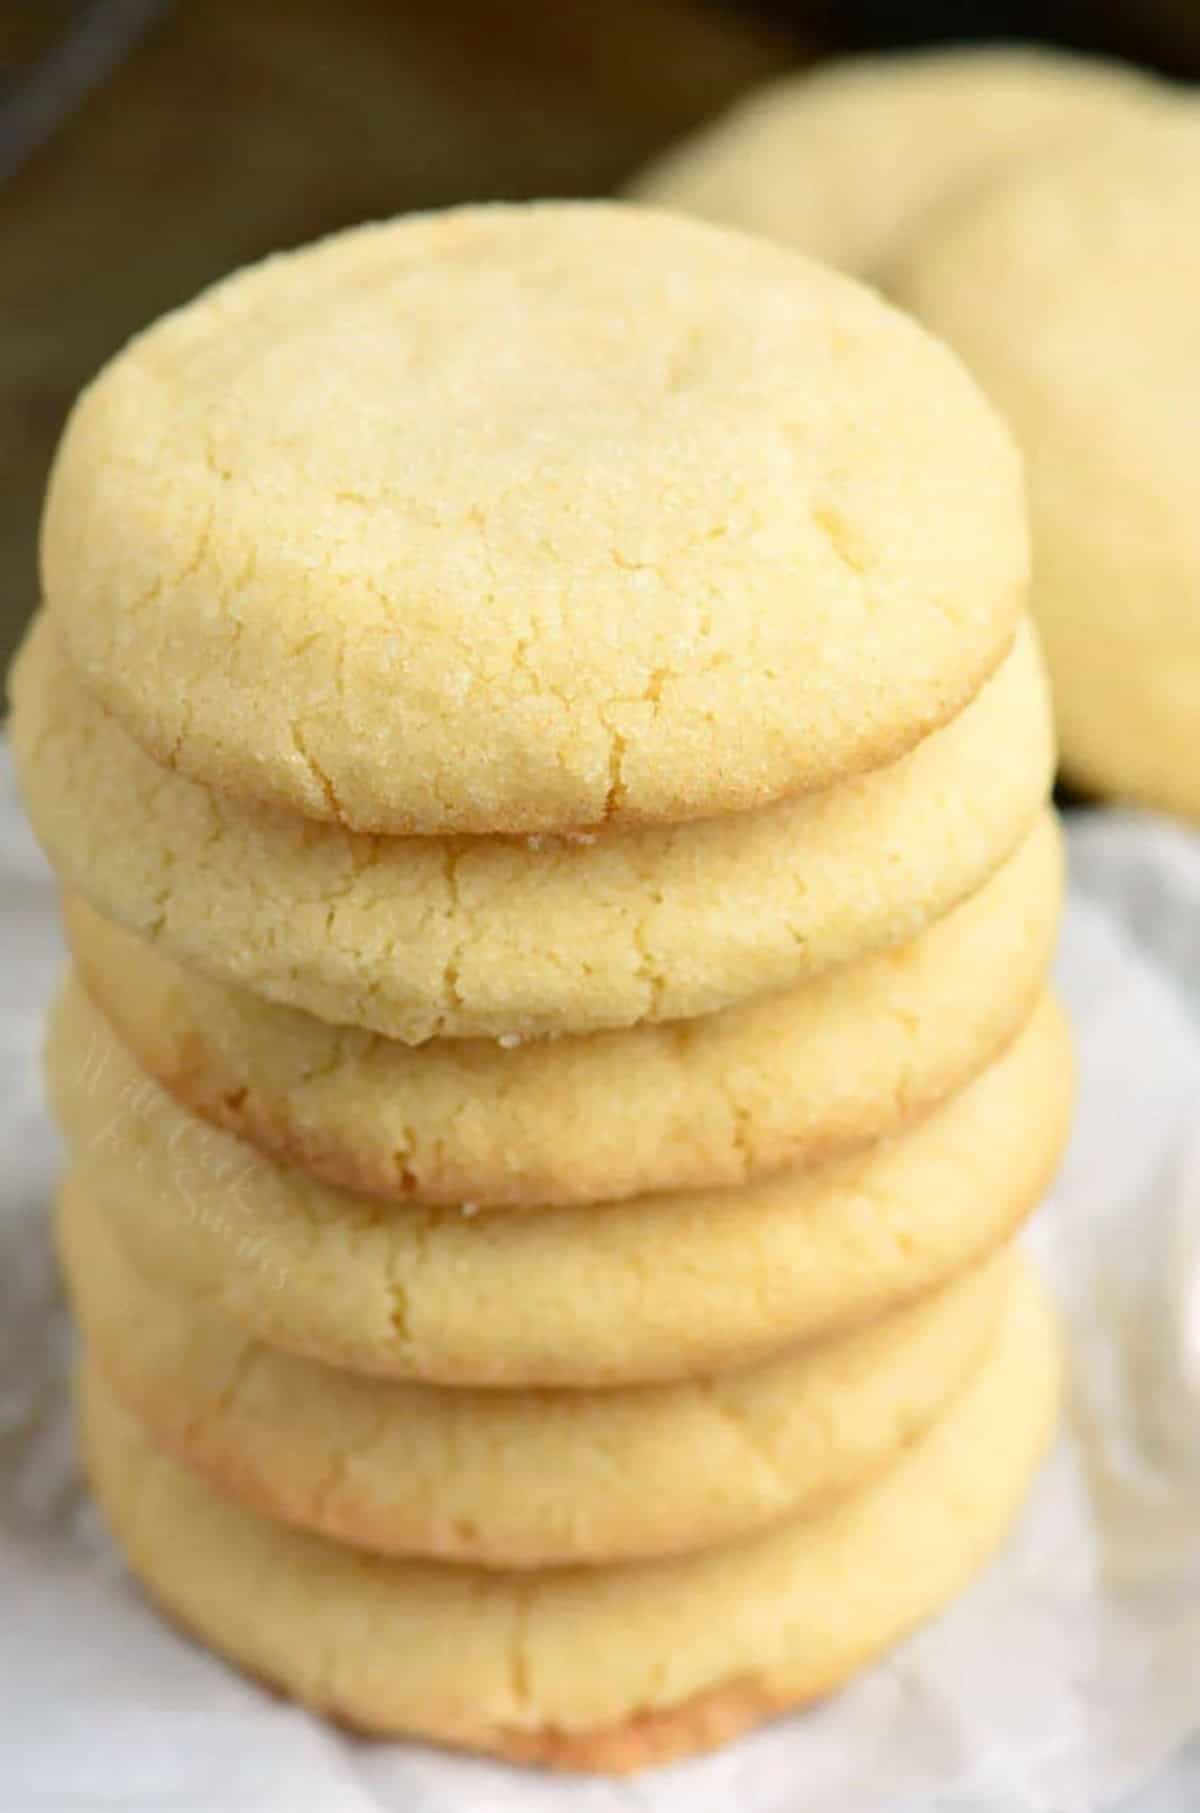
(529,518)
(1074,292)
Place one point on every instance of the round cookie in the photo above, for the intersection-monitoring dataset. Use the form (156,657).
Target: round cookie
(532,519)
(849,160)
(510,1478)
(658,1288)
(615,1668)
(786,1079)
(417,938)
(1074,291)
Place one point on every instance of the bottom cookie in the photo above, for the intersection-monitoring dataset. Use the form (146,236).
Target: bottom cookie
(608,1669)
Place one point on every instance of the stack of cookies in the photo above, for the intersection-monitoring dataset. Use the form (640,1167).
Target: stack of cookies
(534,719)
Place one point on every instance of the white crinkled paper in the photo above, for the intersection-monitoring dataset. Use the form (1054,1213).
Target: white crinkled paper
(1059,1683)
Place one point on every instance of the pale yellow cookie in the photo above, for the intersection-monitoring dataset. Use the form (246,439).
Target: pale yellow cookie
(533,518)
(787,1079)
(593,1668)
(847,161)
(1074,290)
(519,1478)
(415,937)
(662,1287)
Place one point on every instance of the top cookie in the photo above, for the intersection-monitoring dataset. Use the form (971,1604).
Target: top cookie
(1074,292)
(848,160)
(531,518)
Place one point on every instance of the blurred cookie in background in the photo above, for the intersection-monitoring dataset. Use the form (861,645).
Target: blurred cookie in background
(847,161)
(1072,289)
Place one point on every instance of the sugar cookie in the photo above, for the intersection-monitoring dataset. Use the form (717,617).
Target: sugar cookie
(423,937)
(848,160)
(787,1079)
(1074,290)
(588,1668)
(520,1478)
(662,1287)
(530,519)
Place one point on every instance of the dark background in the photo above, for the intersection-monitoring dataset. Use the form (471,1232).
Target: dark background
(145,148)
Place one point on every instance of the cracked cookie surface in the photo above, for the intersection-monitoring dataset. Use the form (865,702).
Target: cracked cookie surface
(417,938)
(531,519)
(656,1288)
(593,1668)
(519,1478)
(791,1078)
